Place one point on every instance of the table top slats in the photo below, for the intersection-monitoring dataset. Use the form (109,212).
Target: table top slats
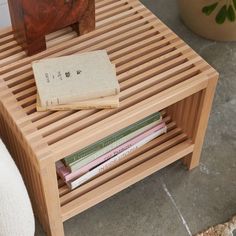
(67,47)
(139,83)
(6,31)
(151,62)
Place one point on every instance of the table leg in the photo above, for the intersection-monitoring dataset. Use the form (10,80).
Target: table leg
(52,201)
(192,161)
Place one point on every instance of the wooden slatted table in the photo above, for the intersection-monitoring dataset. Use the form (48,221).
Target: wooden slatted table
(157,71)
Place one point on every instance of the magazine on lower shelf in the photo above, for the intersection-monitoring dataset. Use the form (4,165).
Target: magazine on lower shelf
(66,175)
(114,160)
(74,160)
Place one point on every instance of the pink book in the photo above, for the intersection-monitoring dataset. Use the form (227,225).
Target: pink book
(65,174)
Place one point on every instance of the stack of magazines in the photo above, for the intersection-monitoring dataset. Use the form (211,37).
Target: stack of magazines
(102,155)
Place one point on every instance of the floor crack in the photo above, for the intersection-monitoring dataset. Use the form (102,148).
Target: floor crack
(176,207)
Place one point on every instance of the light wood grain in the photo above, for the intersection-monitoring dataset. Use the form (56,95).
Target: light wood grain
(156,70)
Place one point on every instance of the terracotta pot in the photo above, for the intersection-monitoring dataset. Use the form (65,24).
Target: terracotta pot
(206,25)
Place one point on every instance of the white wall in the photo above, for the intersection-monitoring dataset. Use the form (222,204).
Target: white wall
(4,14)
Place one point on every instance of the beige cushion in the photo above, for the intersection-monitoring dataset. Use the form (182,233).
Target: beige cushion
(16,216)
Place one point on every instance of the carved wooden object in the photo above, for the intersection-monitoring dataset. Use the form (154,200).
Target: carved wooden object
(33,19)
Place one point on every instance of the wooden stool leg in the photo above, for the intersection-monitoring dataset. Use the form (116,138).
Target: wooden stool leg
(35,46)
(87,22)
(51,195)
(192,161)
(185,160)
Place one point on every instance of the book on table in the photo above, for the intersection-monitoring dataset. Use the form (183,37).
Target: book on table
(100,156)
(81,81)
(99,103)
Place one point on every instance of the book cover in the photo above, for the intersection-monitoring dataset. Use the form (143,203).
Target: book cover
(81,162)
(67,176)
(110,139)
(75,78)
(99,103)
(111,162)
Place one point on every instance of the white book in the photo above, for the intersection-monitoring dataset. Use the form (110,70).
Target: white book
(111,162)
(75,78)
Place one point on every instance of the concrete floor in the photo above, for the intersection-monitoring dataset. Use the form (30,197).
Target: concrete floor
(174,201)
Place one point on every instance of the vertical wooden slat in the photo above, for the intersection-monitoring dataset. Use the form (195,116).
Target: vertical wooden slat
(29,173)
(202,121)
(51,195)
(194,111)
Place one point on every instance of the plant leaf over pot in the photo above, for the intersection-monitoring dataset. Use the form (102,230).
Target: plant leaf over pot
(210,8)
(231,13)
(222,14)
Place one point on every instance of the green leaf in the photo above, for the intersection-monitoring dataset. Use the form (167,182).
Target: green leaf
(207,10)
(221,16)
(234,1)
(231,13)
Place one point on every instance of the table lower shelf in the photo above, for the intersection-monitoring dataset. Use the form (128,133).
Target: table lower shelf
(153,156)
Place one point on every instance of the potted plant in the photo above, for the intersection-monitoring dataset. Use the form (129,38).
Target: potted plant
(212,19)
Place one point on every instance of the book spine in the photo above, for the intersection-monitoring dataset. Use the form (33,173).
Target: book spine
(102,103)
(55,101)
(62,170)
(78,107)
(108,164)
(114,152)
(65,174)
(110,139)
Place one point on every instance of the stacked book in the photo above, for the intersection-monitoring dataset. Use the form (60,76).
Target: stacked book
(106,153)
(81,81)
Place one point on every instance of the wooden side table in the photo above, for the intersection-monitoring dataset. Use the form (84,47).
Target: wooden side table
(157,71)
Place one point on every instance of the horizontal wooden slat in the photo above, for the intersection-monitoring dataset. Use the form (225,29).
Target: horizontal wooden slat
(5,31)
(6,39)
(128,178)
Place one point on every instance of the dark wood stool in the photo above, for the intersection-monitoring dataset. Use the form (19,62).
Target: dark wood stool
(33,19)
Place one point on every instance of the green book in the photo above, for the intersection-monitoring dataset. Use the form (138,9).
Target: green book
(95,147)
